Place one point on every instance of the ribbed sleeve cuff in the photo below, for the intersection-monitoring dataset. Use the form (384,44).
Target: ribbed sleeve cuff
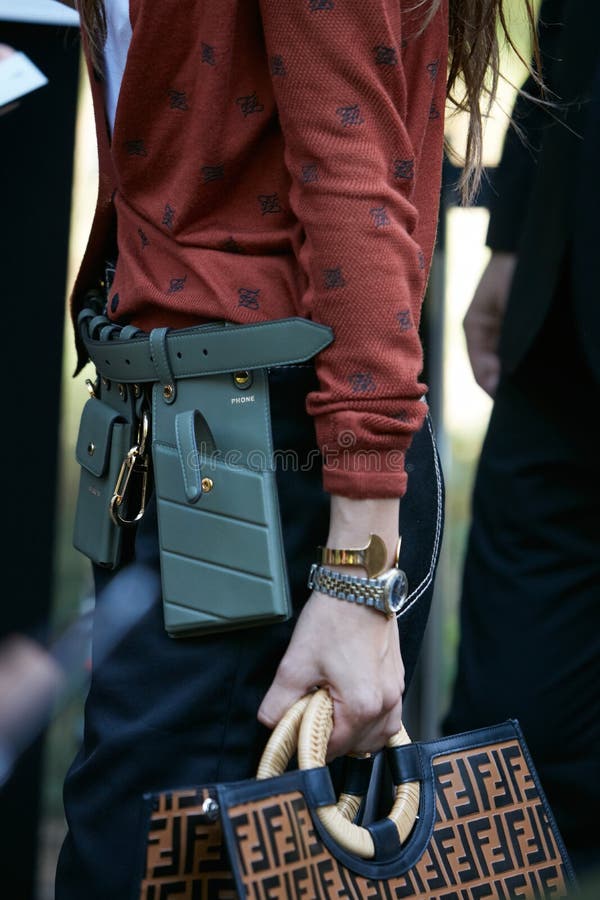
(363,452)
(364,484)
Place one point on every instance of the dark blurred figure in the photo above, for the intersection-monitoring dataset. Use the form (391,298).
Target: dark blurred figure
(36,154)
(530,635)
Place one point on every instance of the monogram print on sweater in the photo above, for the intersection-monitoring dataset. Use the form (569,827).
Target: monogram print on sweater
(176,285)
(208,54)
(231,246)
(380,216)
(178,99)
(405,319)
(310,173)
(168,218)
(248,297)
(320,5)
(432,69)
(333,278)
(278,69)
(362,382)
(385,56)
(144,240)
(434,112)
(249,104)
(404,169)
(269,203)
(212,173)
(135,148)
(349,115)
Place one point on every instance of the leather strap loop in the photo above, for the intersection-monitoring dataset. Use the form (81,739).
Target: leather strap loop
(385,838)
(160,360)
(129,331)
(357,774)
(194,442)
(405,763)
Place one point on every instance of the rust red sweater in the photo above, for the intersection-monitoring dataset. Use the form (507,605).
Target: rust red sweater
(277,158)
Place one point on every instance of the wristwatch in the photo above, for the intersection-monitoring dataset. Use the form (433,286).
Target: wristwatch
(387,593)
(371,558)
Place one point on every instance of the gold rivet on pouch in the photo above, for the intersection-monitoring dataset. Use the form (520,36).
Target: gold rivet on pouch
(168,391)
(241,378)
(91,448)
(207,485)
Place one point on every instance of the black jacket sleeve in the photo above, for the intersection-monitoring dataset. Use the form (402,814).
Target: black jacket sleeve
(511,181)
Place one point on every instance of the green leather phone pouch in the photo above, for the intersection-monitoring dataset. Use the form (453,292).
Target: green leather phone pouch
(221,547)
(103,442)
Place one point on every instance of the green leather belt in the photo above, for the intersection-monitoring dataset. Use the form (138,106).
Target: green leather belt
(222,556)
(126,354)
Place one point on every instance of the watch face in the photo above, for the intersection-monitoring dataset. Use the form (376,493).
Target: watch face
(397,590)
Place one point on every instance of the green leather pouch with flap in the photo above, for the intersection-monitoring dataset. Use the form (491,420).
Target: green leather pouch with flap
(102,444)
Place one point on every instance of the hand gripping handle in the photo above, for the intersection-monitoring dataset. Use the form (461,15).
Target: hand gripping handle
(307,727)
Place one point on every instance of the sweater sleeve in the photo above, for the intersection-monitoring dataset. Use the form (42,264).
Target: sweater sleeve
(341,93)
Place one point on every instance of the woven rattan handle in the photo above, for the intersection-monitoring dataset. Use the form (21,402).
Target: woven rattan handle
(282,745)
(315,730)
(283,741)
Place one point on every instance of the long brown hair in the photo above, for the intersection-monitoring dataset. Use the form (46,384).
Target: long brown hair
(473,71)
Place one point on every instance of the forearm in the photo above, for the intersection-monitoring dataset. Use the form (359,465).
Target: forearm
(352,521)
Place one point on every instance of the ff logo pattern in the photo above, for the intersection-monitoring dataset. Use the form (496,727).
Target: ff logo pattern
(185,853)
(491,839)
(485,844)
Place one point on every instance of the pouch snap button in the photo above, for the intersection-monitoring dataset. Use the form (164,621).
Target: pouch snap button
(242,380)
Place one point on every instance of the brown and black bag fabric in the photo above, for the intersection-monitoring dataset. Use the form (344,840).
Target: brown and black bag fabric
(484,830)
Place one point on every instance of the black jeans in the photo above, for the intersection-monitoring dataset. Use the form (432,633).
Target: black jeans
(530,613)
(163,713)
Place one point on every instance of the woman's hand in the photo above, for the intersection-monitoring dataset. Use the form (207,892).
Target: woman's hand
(352,650)
(355,653)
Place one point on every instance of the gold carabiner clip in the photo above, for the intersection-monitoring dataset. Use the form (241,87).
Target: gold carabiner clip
(136,457)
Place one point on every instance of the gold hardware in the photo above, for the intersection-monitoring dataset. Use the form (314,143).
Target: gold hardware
(122,392)
(91,448)
(207,485)
(143,434)
(135,458)
(91,387)
(105,383)
(168,391)
(372,557)
(137,391)
(241,378)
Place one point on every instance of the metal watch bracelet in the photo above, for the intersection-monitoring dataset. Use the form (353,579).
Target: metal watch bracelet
(364,591)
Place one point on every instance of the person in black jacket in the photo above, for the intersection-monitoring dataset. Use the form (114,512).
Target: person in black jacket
(530,606)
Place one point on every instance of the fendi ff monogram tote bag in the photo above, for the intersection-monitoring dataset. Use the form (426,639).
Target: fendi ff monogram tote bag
(469,820)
